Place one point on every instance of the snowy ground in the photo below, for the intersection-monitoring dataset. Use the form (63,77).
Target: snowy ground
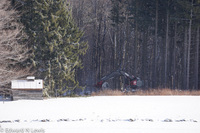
(111,114)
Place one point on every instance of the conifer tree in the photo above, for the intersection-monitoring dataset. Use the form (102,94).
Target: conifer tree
(55,40)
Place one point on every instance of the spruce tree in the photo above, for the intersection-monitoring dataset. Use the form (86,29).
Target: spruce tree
(55,40)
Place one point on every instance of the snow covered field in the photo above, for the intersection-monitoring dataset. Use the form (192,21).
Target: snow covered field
(103,114)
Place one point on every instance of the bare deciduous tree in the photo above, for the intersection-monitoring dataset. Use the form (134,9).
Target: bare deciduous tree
(12,51)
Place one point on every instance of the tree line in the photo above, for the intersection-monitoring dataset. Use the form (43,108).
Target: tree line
(156,40)
(75,43)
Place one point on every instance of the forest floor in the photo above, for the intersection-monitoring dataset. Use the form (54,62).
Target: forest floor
(102,114)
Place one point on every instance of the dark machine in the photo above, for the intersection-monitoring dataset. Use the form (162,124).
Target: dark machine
(130,82)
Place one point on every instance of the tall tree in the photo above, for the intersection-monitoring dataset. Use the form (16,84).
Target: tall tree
(55,40)
(155,69)
(197,59)
(197,47)
(189,45)
(166,43)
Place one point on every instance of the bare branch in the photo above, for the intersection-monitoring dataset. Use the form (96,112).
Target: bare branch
(13,51)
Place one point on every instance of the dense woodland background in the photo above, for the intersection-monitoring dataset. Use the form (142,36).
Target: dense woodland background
(156,40)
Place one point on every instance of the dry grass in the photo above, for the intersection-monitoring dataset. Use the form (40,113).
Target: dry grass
(150,92)
(108,93)
(166,92)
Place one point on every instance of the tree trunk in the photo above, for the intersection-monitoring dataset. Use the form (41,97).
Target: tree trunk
(125,43)
(156,48)
(189,47)
(166,47)
(197,60)
(185,60)
(174,58)
(135,49)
